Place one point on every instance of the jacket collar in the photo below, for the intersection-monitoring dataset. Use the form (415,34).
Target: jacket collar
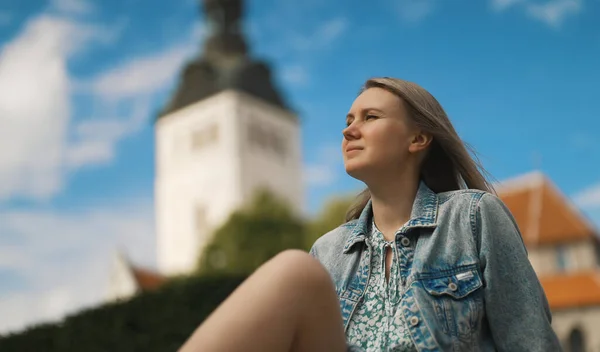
(423,214)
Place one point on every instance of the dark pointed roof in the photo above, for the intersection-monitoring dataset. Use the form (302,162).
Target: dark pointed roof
(224,63)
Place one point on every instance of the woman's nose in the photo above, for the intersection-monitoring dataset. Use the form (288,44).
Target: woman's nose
(351,132)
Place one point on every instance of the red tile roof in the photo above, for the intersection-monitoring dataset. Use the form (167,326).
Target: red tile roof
(544,215)
(147,280)
(572,290)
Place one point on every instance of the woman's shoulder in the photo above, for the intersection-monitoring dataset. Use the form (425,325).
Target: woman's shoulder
(473,197)
(335,238)
(471,202)
(461,195)
(476,207)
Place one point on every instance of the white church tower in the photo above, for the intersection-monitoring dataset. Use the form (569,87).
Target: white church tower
(226,133)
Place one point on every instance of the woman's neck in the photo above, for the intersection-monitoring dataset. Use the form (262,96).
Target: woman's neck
(392,204)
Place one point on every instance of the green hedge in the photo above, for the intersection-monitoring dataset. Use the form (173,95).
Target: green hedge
(153,321)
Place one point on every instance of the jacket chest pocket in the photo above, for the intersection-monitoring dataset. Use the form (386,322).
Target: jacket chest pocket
(456,300)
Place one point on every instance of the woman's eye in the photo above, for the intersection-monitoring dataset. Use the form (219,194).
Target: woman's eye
(370,117)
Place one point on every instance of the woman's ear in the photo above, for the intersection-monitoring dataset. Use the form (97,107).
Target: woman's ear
(420,142)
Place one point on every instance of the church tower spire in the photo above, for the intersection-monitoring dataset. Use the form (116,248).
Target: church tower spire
(225,62)
(225,134)
(225,38)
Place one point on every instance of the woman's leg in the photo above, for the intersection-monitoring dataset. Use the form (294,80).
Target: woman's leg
(288,304)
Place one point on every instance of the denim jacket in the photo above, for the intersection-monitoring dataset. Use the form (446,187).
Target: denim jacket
(469,285)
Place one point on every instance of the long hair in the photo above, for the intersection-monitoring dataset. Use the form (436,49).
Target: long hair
(450,164)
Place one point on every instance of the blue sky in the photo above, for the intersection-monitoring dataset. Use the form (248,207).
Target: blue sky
(81,81)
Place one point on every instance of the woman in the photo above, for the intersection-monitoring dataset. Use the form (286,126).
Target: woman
(429,260)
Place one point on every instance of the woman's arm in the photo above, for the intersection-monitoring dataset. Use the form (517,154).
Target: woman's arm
(516,306)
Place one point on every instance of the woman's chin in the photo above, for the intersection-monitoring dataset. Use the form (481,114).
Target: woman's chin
(356,170)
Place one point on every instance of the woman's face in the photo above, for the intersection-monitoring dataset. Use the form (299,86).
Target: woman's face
(379,139)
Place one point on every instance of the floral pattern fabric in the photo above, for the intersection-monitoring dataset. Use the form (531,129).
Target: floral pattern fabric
(378,324)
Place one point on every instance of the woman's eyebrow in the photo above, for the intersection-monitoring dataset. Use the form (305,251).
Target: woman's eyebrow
(364,110)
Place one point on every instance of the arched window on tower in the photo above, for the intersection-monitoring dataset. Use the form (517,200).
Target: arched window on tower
(268,139)
(205,137)
(576,341)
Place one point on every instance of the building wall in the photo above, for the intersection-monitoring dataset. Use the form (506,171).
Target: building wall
(194,177)
(586,319)
(543,260)
(563,258)
(122,284)
(270,148)
(583,256)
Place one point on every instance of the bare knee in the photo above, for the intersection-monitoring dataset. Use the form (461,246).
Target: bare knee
(303,269)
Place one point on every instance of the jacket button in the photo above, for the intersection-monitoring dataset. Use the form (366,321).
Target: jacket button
(414,321)
(452,286)
(405,241)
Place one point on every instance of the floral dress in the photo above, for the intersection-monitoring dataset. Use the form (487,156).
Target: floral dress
(378,324)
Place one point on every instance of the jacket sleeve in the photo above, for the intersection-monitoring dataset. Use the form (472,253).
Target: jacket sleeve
(313,252)
(515,304)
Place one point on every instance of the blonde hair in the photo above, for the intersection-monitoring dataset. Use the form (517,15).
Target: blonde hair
(450,164)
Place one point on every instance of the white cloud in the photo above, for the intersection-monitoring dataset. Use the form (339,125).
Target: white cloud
(74,7)
(414,10)
(303,47)
(37,152)
(323,36)
(324,172)
(589,198)
(35,105)
(133,83)
(332,30)
(96,140)
(64,258)
(552,12)
(295,75)
(141,76)
(501,5)
(284,34)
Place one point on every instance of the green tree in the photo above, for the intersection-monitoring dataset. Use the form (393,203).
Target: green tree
(332,216)
(251,236)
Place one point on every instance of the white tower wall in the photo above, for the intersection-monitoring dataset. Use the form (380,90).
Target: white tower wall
(211,157)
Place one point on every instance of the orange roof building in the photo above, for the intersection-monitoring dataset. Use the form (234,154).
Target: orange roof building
(127,280)
(564,249)
(544,215)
